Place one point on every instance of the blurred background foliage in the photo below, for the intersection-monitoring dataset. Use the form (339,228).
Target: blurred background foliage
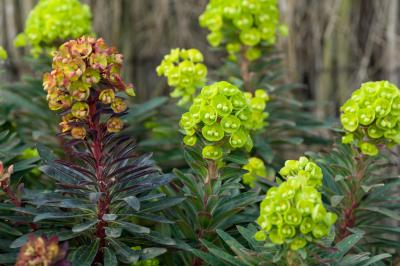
(332,47)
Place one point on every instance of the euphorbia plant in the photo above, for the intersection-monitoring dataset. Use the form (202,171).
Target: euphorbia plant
(103,187)
(294,228)
(218,122)
(359,183)
(249,30)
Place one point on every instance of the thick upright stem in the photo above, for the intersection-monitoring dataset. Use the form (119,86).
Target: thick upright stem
(103,203)
(352,202)
(212,175)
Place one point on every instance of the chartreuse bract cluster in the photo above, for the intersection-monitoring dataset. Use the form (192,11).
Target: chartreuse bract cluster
(52,22)
(293,213)
(241,25)
(222,118)
(371,117)
(84,69)
(185,72)
(256,169)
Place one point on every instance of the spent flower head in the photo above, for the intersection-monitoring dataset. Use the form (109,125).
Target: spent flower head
(223,117)
(5,175)
(84,70)
(293,214)
(371,117)
(52,22)
(185,71)
(241,23)
(40,251)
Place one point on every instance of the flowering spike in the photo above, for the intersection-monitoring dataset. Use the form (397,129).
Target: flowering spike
(371,117)
(86,72)
(223,116)
(256,24)
(293,213)
(52,21)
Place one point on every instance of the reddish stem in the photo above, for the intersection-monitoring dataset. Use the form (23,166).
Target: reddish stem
(348,213)
(17,203)
(103,203)
(12,196)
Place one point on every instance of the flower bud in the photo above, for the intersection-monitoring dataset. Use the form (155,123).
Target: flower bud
(78,132)
(118,105)
(114,124)
(107,96)
(80,110)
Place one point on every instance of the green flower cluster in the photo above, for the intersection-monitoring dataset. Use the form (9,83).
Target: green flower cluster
(293,213)
(185,72)
(251,23)
(52,22)
(148,262)
(256,169)
(3,54)
(372,117)
(303,168)
(223,116)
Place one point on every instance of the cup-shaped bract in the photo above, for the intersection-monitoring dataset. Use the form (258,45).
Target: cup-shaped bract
(256,168)
(303,169)
(223,117)
(85,70)
(371,117)
(251,24)
(293,214)
(185,72)
(54,21)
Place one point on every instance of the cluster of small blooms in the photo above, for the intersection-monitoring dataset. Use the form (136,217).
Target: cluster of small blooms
(3,54)
(256,22)
(84,69)
(224,116)
(39,251)
(185,72)
(148,262)
(372,116)
(53,21)
(305,169)
(293,213)
(256,169)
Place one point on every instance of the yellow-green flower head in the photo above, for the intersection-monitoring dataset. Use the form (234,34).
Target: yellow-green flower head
(3,54)
(372,117)
(305,170)
(255,23)
(223,116)
(86,70)
(185,72)
(54,21)
(256,168)
(293,213)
